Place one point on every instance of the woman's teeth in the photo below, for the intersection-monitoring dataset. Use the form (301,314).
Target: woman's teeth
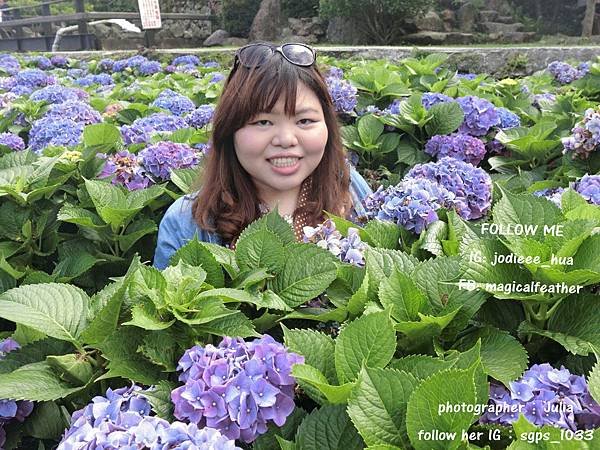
(284,162)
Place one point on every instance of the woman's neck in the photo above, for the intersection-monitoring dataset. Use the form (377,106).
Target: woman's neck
(287,200)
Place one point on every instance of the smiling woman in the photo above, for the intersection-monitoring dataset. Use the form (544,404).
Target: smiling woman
(276,142)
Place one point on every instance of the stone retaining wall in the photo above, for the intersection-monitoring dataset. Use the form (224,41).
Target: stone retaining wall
(493,60)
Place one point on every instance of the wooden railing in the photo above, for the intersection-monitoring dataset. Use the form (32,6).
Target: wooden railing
(14,20)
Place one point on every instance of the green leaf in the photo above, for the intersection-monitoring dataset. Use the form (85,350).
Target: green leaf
(184,179)
(261,248)
(308,270)
(47,421)
(316,348)
(368,340)
(369,129)
(383,234)
(236,324)
(420,366)
(35,382)
(196,253)
(381,262)
(452,387)
(104,136)
(502,356)
(268,441)
(272,221)
(57,310)
(135,231)
(400,294)
(160,347)
(314,377)
(446,117)
(145,316)
(594,382)
(573,344)
(74,368)
(328,428)
(80,216)
(159,397)
(419,335)
(378,405)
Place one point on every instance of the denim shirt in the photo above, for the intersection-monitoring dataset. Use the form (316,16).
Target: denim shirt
(178,226)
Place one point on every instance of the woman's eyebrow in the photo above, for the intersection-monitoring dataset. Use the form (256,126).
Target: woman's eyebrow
(305,110)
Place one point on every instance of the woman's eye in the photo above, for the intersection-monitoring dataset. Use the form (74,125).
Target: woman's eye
(306,121)
(261,122)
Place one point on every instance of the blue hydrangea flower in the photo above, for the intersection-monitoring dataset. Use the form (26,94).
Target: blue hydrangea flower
(542,101)
(237,387)
(122,420)
(176,103)
(589,188)
(58,131)
(547,396)
(75,110)
(343,94)
(586,135)
(565,73)
(9,64)
(186,59)
(141,130)
(480,115)
(412,203)
(42,62)
(211,64)
(508,119)
(460,146)
(466,76)
(126,170)
(335,72)
(33,78)
(12,141)
(348,249)
(76,73)
(433,98)
(59,61)
(201,116)
(103,79)
(216,77)
(58,94)
(161,158)
(470,185)
(106,64)
(552,194)
(149,68)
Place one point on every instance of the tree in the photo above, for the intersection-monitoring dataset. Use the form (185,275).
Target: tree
(588,19)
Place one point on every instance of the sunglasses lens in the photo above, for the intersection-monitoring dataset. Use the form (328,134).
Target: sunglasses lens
(298,54)
(254,55)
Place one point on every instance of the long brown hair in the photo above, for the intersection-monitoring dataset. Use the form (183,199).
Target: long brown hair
(227,201)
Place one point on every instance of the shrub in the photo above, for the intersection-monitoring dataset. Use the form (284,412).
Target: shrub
(237,16)
(291,8)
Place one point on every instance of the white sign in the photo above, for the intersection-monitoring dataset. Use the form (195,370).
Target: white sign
(150,14)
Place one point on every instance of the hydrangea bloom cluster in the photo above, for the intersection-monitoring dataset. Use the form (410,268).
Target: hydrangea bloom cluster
(42,62)
(176,103)
(186,59)
(59,61)
(12,141)
(149,68)
(201,116)
(540,99)
(586,135)
(121,420)
(545,396)
(348,249)
(52,130)
(142,129)
(9,64)
(211,64)
(33,78)
(106,64)
(412,203)
(343,94)
(131,63)
(433,98)
(102,79)
(58,94)
(466,76)
(163,157)
(552,194)
(480,115)
(457,145)
(10,409)
(75,110)
(589,188)
(126,170)
(335,72)
(508,119)
(393,108)
(565,73)
(215,77)
(236,387)
(470,185)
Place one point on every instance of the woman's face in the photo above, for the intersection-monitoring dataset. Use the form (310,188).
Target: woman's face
(280,152)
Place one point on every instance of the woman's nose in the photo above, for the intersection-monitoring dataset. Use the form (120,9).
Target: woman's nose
(285,136)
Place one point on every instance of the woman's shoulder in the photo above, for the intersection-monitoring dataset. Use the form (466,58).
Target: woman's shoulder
(179,216)
(358,184)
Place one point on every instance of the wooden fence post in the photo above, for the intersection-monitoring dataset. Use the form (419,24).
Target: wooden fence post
(82,24)
(47,26)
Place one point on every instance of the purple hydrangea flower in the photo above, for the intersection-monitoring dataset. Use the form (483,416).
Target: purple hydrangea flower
(103,79)
(211,64)
(142,129)
(59,61)
(176,103)
(552,194)
(589,188)
(433,98)
(546,396)
(42,62)
(75,110)
(186,59)
(480,115)
(586,135)
(12,141)
(508,119)
(216,77)
(122,420)
(106,64)
(393,108)
(149,68)
(470,185)
(343,94)
(466,76)
(412,203)
(126,170)
(203,148)
(163,157)
(76,73)
(370,109)
(348,249)
(9,64)
(237,387)
(335,72)
(58,94)
(460,146)
(565,73)
(33,78)
(59,131)
(201,116)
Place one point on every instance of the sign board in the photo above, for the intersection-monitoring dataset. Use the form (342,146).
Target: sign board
(150,14)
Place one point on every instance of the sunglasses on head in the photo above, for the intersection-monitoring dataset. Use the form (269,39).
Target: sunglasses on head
(256,54)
